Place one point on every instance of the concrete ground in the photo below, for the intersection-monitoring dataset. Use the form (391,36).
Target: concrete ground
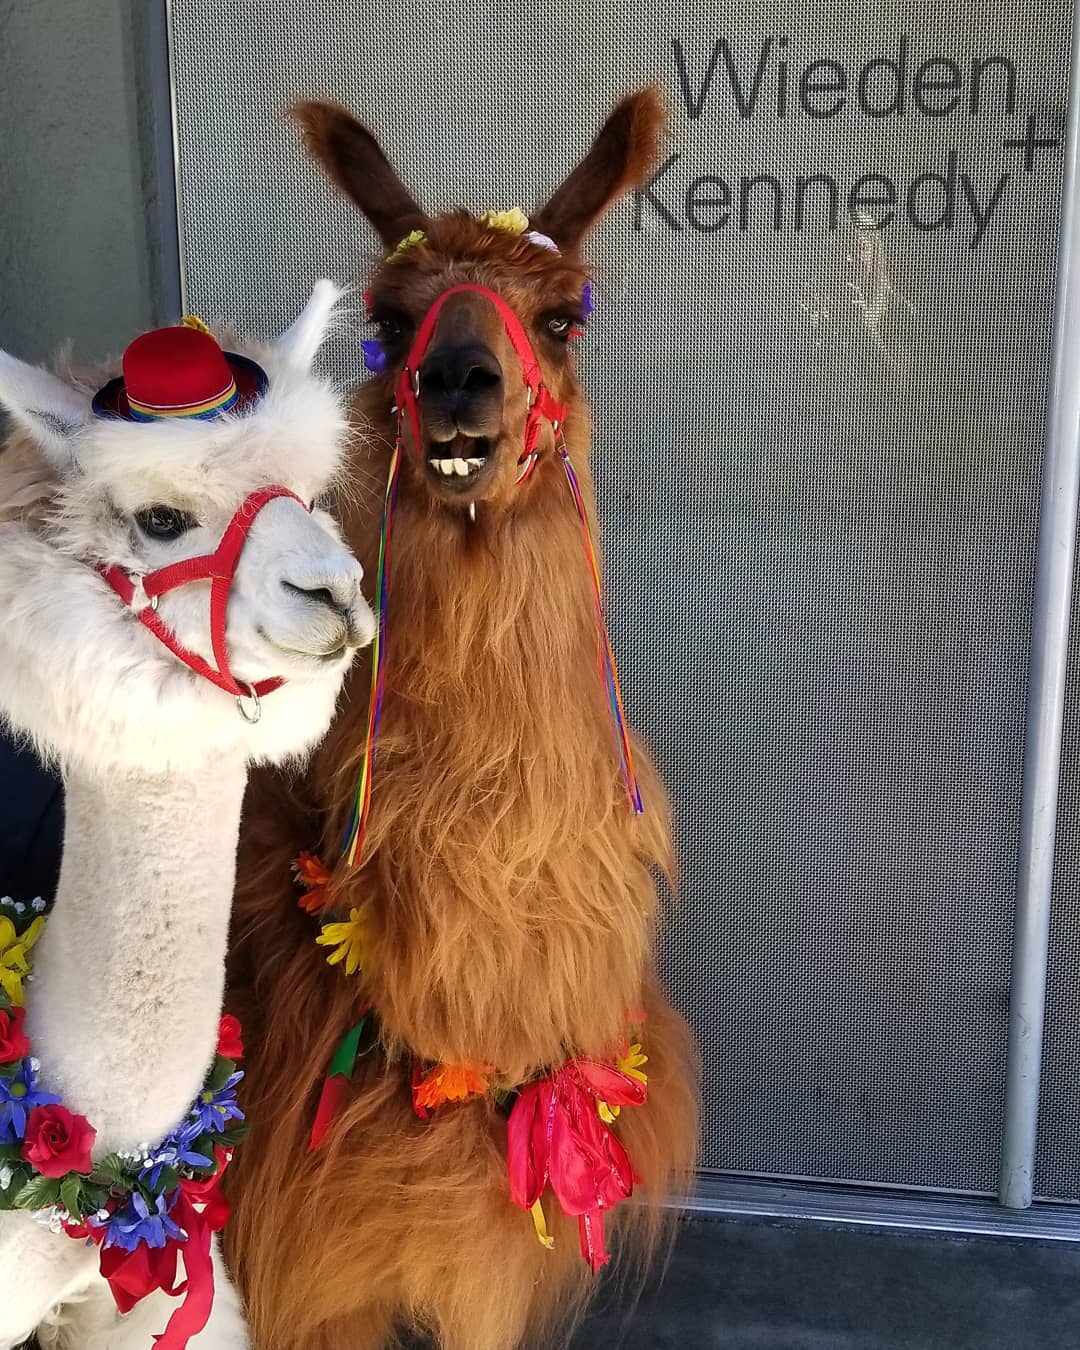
(752,1285)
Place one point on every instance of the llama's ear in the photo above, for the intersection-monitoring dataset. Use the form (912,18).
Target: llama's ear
(621,158)
(351,155)
(50,411)
(300,343)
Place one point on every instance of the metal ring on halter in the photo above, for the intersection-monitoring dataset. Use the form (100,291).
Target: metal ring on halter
(253,716)
(136,579)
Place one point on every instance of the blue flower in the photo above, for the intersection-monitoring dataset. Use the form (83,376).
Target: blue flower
(374,354)
(137,1223)
(174,1152)
(213,1110)
(18,1097)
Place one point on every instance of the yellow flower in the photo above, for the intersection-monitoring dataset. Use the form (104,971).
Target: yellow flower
(630,1064)
(348,939)
(413,238)
(514,221)
(14,961)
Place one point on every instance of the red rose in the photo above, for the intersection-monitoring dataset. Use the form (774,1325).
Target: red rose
(58,1142)
(13,1043)
(229,1043)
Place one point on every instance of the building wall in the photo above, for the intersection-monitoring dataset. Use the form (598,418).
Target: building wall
(81,239)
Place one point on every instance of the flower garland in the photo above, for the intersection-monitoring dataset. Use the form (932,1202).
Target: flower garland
(559,1125)
(143,1209)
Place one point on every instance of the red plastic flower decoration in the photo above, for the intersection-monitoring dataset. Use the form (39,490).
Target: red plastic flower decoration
(556,1136)
(14,1044)
(58,1142)
(314,877)
(229,1045)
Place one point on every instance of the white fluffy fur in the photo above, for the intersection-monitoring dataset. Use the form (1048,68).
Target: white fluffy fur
(129,975)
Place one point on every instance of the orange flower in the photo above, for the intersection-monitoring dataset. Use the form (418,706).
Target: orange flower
(448,1083)
(314,877)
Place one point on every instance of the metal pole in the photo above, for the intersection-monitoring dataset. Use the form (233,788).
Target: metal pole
(1046,691)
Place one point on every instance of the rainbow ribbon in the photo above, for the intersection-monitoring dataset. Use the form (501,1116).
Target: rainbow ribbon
(607,656)
(353,846)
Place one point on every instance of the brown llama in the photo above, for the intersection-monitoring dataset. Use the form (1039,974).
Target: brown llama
(505,894)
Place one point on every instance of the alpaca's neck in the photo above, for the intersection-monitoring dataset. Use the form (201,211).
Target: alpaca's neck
(128,979)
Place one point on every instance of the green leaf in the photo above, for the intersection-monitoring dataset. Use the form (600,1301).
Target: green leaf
(20,1175)
(113,1169)
(220,1073)
(5,1002)
(70,1193)
(167,1181)
(93,1198)
(10,1153)
(37,1193)
(236,1134)
(10,1069)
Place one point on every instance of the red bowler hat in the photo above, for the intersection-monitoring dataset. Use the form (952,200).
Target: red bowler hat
(180,372)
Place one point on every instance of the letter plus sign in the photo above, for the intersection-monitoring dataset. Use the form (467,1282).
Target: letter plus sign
(1030,144)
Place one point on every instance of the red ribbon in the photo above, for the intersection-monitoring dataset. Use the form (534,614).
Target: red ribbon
(200,1210)
(555,1136)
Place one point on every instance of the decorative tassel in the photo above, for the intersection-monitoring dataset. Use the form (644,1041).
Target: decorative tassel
(336,1087)
(353,845)
(607,656)
(540,1224)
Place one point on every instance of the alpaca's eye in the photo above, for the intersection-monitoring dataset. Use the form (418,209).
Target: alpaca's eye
(559,326)
(164,522)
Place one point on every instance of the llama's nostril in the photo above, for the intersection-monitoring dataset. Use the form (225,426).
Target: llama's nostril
(477,379)
(321,595)
(467,370)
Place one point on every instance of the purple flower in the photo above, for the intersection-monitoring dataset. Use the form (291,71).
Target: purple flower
(18,1097)
(213,1110)
(374,355)
(137,1223)
(587,305)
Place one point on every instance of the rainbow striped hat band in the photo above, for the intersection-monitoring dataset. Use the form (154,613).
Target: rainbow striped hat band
(180,372)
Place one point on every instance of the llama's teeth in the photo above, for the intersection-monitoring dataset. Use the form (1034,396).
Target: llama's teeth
(446,467)
(461,468)
(434,464)
(476,463)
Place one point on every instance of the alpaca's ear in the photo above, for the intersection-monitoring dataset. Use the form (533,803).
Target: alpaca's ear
(621,158)
(50,411)
(300,342)
(350,154)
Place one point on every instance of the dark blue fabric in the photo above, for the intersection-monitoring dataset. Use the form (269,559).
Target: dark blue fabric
(31,824)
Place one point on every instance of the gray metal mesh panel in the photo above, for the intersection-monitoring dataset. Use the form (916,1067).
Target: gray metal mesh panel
(818,459)
(1058,1159)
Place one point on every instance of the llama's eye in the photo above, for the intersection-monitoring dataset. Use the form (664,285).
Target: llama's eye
(389,327)
(560,326)
(164,522)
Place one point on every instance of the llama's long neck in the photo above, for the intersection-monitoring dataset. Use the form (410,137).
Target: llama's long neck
(124,1004)
(508,894)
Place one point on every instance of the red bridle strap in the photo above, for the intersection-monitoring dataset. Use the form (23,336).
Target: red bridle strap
(541,402)
(219,568)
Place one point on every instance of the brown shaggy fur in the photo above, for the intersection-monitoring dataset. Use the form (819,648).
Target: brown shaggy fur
(509,895)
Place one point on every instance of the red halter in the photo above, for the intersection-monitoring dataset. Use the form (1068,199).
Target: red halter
(219,568)
(541,403)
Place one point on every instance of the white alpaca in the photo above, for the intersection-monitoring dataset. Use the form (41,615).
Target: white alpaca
(128,977)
